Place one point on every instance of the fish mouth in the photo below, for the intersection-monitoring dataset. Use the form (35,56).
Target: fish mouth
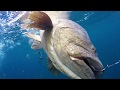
(92,64)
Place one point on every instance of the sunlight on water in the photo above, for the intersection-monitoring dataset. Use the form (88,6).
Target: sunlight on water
(10,31)
(11,34)
(1,51)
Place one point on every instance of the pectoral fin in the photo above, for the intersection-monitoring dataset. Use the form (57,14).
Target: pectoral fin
(33,36)
(36,45)
(51,67)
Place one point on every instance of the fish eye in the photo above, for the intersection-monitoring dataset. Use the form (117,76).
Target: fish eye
(93,48)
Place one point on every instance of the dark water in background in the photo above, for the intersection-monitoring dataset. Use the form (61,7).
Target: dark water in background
(21,62)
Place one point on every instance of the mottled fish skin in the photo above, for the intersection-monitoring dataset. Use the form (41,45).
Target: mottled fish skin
(68,46)
(57,40)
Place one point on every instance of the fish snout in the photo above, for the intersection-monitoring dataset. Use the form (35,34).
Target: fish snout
(91,64)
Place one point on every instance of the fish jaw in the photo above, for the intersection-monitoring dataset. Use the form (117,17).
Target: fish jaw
(90,61)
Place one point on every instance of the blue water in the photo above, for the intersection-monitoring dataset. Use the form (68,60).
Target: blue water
(19,61)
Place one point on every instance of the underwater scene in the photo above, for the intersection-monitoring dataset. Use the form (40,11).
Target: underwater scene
(60,45)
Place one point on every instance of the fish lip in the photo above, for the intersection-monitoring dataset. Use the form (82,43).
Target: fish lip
(96,66)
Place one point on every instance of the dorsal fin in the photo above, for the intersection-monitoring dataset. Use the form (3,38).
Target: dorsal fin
(40,20)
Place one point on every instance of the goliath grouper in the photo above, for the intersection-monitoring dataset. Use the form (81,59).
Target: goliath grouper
(67,45)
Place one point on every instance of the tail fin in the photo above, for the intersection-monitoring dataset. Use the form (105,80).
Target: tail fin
(40,20)
(56,15)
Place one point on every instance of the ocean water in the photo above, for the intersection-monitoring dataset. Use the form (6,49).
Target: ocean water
(19,61)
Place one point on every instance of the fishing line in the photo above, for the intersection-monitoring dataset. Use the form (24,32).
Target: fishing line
(108,66)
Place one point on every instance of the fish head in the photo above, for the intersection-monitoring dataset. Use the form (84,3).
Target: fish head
(86,59)
(82,51)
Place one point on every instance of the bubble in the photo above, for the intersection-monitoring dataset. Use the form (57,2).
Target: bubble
(18,43)
(27,56)
(10,31)
(2,54)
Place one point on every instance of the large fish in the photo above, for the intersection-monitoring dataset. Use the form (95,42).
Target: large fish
(67,45)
